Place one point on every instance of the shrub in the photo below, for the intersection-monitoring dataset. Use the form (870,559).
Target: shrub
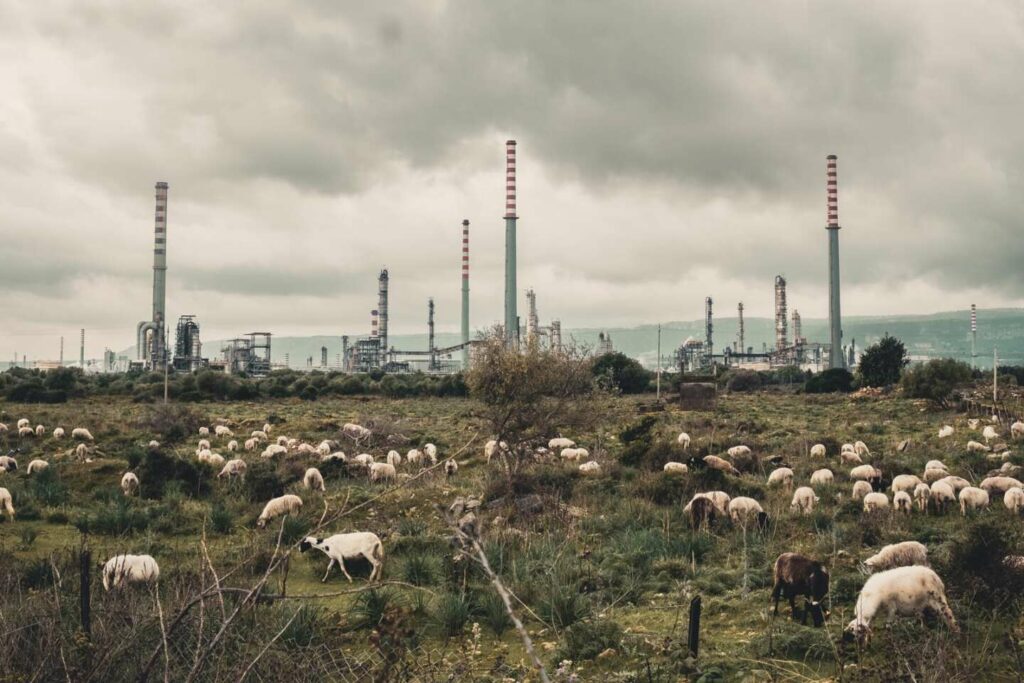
(159,472)
(830,381)
(743,380)
(420,569)
(451,614)
(262,482)
(492,612)
(369,608)
(883,362)
(936,379)
(170,423)
(48,489)
(221,519)
(563,605)
(587,639)
(622,373)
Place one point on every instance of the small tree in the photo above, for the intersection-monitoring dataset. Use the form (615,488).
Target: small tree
(532,394)
(936,379)
(830,381)
(621,372)
(883,362)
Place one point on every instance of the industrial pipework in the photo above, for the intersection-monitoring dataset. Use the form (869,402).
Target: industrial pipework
(781,340)
(708,327)
(739,312)
(511,315)
(835,323)
(382,309)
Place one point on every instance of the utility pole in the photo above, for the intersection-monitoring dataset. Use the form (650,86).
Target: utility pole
(659,362)
(995,375)
(166,334)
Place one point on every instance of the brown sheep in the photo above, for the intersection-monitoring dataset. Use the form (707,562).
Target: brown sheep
(798,575)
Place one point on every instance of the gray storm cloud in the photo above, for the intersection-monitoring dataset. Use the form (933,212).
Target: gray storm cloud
(667,151)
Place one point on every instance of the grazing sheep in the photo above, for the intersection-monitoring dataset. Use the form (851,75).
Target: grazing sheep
(1017,430)
(675,468)
(683,440)
(37,466)
(972,498)
(999,484)
(989,433)
(716,463)
(23,422)
(905,554)
(702,512)
(975,447)
(590,469)
(203,445)
(24,432)
(3,428)
(153,445)
(973,423)
(935,465)
(81,450)
(738,451)
(861,449)
(850,458)
(902,502)
(942,495)
(994,419)
(865,472)
(932,475)
(847,447)
(804,500)
(1014,562)
(450,467)
(356,432)
(340,546)
(822,478)
(561,442)
(364,459)
(323,448)
(259,435)
(956,483)
(905,482)
(214,459)
(130,484)
(720,499)
(267,428)
(273,450)
(380,471)
(394,458)
(123,569)
(7,503)
(922,494)
(741,508)
(313,480)
(58,433)
(572,454)
(783,476)
(8,464)
(874,502)
(582,453)
(251,444)
(946,430)
(306,449)
(796,575)
(337,455)
(232,446)
(221,430)
(1013,499)
(903,591)
(233,468)
(204,431)
(818,450)
(282,441)
(291,444)
(288,504)
(860,489)
(40,431)
(492,447)
(430,450)
(414,456)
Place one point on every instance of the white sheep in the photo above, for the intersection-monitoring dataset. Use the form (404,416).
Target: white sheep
(430,450)
(847,447)
(973,423)
(560,442)
(582,453)
(288,504)
(994,419)
(818,450)
(675,468)
(340,546)
(337,455)
(850,458)
(972,498)
(267,428)
(58,433)
(123,569)
(273,450)
(932,475)
(451,467)
(24,432)
(356,432)
(259,435)
(204,431)
(935,465)
(1017,429)
(324,448)
(572,454)
(313,480)
(251,444)
(36,466)
(943,494)
(233,468)
(7,503)
(590,469)
(903,591)
(922,494)
(210,458)
(720,499)
(864,472)
(741,508)
(716,463)
(130,484)
(781,476)
(875,501)
(414,456)
(153,445)
(902,502)
(683,440)
(491,448)
(956,483)
(221,430)
(203,445)
(307,449)
(905,554)
(394,458)
(904,482)
(999,484)
(81,450)
(804,500)
(861,449)
(3,428)
(282,441)
(823,477)
(40,431)
(946,430)
(1013,499)
(380,471)
(738,451)
(364,459)
(232,446)
(860,489)
(292,444)
(989,433)
(23,422)
(7,464)
(975,447)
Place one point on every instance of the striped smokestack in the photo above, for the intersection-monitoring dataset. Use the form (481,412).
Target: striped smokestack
(511,315)
(465,294)
(835,323)
(974,335)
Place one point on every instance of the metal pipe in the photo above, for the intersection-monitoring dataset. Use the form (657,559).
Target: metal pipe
(81,351)
(739,310)
(708,328)
(432,361)
(835,323)
(465,294)
(511,315)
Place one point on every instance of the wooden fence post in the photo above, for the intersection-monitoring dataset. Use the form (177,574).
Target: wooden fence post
(693,635)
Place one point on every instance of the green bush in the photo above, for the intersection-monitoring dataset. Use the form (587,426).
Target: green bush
(830,381)
(492,612)
(743,380)
(622,373)
(935,380)
(587,639)
(157,471)
(451,614)
(883,362)
(369,608)
(221,519)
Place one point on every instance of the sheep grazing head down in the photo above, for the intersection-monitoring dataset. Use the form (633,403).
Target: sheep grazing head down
(308,542)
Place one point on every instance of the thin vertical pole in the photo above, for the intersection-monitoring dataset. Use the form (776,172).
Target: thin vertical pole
(659,362)
(165,365)
(995,375)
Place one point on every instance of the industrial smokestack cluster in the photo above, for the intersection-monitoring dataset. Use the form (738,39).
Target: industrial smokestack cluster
(708,327)
(740,332)
(382,311)
(150,334)
(781,333)
(974,335)
(835,323)
(511,314)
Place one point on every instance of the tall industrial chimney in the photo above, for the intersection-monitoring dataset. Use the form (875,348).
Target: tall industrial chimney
(781,337)
(511,315)
(798,332)
(382,308)
(61,362)
(153,352)
(835,322)
(373,324)
(81,351)
(465,294)
(532,319)
(739,311)
(708,327)
(974,335)
(432,362)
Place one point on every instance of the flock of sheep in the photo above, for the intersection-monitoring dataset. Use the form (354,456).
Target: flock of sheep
(904,584)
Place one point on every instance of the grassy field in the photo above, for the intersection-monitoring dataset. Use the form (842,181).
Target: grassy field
(604,571)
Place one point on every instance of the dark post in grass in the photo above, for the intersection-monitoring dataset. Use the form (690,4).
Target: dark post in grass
(85,558)
(693,637)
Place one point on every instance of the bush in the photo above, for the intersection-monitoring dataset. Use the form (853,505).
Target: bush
(883,362)
(221,519)
(159,472)
(452,614)
(493,614)
(620,372)
(262,482)
(369,608)
(936,379)
(170,423)
(743,380)
(563,605)
(586,640)
(830,381)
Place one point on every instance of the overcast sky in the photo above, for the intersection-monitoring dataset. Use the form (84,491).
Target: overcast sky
(667,151)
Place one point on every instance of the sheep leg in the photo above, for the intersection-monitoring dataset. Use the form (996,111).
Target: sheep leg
(329,565)
(341,565)
(776,592)
(374,564)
